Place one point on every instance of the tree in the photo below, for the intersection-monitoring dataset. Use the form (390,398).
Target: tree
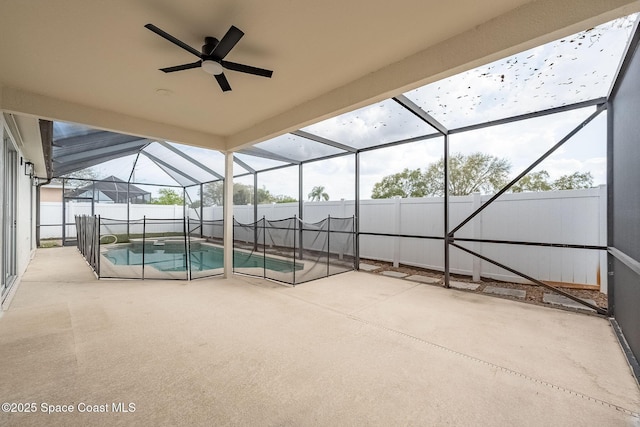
(213,194)
(468,174)
(539,181)
(476,172)
(408,183)
(574,181)
(533,181)
(242,194)
(168,196)
(318,194)
(284,199)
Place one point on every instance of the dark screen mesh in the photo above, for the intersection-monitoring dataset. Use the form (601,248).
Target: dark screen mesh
(288,250)
(121,248)
(281,244)
(205,248)
(248,248)
(292,251)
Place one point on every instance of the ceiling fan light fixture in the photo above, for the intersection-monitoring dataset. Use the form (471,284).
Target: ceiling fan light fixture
(211,57)
(212,67)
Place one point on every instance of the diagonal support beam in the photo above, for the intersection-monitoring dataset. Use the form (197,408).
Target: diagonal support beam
(506,188)
(324,141)
(189,158)
(402,141)
(244,165)
(89,153)
(599,310)
(259,152)
(426,117)
(161,162)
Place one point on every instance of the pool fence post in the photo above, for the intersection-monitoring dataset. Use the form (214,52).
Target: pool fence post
(144,235)
(255,211)
(295,223)
(356,215)
(128,212)
(328,241)
(233,244)
(187,246)
(98,245)
(356,259)
(264,247)
(201,210)
(64,212)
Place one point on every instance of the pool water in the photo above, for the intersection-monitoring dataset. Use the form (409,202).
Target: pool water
(205,258)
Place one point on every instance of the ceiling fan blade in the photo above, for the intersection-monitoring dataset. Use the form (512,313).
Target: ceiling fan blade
(223,82)
(172,39)
(227,43)
(182,67)
(246,69)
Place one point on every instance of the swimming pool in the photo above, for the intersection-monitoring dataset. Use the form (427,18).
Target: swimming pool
(204,258)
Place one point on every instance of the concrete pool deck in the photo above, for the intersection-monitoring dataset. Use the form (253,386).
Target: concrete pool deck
(352,349)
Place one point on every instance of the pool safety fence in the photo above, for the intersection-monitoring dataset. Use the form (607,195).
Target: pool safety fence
(89,239)
(292,251)
(151,248)
(288,250)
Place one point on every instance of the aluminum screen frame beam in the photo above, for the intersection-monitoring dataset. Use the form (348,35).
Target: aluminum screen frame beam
(190,159)
(600,109)
(527,116)
(419,112)
(72,162)
(161,162)
(447,237)
(244,165)
(259,152)
(325,141)
(536,281)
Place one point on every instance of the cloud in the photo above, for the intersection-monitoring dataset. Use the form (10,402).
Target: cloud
(577,68)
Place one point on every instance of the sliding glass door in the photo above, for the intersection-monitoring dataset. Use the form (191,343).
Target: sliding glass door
(9,175)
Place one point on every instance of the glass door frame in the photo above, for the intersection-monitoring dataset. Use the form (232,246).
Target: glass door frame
(9,218)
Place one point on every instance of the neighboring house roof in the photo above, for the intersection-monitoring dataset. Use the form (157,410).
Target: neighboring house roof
(112,187)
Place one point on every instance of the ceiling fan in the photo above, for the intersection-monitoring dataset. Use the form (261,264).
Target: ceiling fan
(212,56)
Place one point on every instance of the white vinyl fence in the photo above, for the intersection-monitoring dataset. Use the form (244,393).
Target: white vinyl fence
(575,217)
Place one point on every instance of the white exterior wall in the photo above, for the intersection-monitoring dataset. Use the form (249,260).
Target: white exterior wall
(24,211)
(25,232)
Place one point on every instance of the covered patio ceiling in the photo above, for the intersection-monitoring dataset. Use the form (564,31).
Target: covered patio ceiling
(573,72)
(94,63)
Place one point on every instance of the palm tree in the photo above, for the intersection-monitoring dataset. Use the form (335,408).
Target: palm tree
(318,194)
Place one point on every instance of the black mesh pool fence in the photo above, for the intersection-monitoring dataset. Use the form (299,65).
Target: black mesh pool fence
(287,250)
(151,248)
(89,240)
(293,251)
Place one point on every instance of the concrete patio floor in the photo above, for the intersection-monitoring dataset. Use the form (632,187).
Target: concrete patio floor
(352,349)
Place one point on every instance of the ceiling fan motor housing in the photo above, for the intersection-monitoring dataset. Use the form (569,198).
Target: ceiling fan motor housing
(210,43)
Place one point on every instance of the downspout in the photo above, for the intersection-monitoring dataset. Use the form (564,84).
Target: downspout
(46,137)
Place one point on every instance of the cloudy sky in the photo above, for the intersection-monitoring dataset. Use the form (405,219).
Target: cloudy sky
(577,68)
